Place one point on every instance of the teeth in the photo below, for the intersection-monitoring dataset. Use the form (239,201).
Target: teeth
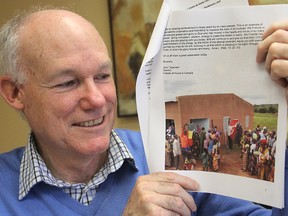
(91,123)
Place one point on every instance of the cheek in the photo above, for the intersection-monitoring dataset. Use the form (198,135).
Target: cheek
(109,93)
(53,109)
(34,106)
(62,106)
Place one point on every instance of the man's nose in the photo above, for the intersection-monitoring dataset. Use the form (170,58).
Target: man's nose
(91,96)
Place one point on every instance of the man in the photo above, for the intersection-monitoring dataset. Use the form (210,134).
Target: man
(202,139)
(57,73)
(230,139)
(176,151)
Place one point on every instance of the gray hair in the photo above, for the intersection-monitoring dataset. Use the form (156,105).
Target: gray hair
(10,55)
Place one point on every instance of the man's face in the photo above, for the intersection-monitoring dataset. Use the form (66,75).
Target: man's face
(69,98)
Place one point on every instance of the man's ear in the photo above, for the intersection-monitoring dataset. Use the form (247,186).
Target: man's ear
(11,93)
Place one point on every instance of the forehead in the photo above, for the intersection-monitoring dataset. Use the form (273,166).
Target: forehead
(58,34)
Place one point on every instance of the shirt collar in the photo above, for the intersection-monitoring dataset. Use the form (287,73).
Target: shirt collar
(34,170)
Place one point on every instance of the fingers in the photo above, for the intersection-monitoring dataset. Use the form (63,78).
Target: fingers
(274,27)
(156,203)
(273,50)
(162,194)
(170,196)
(173,187)
(277,63)
(277,32)
(170,177)
(175,204)
(278,71)
(177,198)
(276,51)
(280,36)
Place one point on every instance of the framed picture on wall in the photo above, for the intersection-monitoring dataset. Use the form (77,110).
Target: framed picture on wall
(132,23)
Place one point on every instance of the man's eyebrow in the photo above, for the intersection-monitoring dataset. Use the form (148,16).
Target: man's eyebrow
(61,73)
(106,65)
(71,71)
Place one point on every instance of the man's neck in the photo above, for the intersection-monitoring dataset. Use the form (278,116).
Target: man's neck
(74,169)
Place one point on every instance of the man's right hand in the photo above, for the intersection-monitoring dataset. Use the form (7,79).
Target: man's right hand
(162,193)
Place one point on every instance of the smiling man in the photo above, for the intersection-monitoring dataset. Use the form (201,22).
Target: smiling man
(69,90)
(56,71)
(58,74)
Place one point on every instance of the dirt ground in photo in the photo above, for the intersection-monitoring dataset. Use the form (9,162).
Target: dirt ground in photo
(230,162)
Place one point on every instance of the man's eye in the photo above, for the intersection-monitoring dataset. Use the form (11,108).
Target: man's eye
(67,84)
(103,77)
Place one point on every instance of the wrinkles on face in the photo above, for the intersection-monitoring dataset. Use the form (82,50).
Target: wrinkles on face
(70,96)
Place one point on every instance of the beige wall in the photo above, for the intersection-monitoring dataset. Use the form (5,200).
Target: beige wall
(13,129)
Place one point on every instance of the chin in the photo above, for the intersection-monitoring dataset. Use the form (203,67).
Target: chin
(97,146)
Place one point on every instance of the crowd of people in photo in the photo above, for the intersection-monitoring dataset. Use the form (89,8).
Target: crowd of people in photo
(193,145)
(257,149)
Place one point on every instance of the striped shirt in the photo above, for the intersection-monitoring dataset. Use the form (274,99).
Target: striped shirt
(34,170)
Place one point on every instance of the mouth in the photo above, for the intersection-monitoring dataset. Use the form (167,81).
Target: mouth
(90,123)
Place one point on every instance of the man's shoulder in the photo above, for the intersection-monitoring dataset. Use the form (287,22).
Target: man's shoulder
(17,152)
(11,159)
(10,170)
(127,131)
(129,136)
(132,140)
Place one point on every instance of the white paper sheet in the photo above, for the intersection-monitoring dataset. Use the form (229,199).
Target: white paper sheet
(144,76)
(213,66)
